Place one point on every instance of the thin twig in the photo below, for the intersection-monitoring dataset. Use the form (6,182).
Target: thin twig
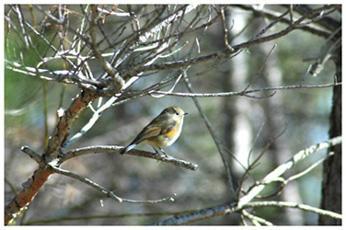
(270,25)
(284,181)
(213,135)
(87,181)
(119,82)
(109,216)
(226,53)
(241,93)
(256,219)
(311,28)
(225,29)
(102,189)
(287,204)
(64,76)
(32,154)
(308,169)
(227,209)
(253,164)
(21,20)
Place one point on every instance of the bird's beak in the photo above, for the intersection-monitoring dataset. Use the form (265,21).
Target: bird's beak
(186,114)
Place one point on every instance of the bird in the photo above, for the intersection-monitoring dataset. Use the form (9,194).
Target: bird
(162,131)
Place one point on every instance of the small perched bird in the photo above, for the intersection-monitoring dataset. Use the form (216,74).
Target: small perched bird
(161,132)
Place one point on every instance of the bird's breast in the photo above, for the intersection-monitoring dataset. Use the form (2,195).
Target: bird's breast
(173,134)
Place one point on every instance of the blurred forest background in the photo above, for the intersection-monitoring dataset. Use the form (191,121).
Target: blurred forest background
(277,123)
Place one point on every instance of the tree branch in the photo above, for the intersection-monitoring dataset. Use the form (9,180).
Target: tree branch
(276,16)
(65,119)
(226,53)
(103,190)
(227,209)
(246,92)
(24,197)
(40,176)
(244,201)
(325,22)
(96,115)
(32,154)
(224,159)
(115,150)
(277,172)
(286,204)
(119,82)
(255,219)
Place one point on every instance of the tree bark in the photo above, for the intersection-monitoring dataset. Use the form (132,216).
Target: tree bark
(32,186)
(331,184)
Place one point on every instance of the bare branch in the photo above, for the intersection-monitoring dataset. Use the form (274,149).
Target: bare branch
(255,219)
(244,201)
(224,159)
(277,172)
(285,204)
(96,115)
(308,169)
(118,80)
(102,189)
(278,17)
(32,154)
(227,209)
(107,216)
(87,181)
(197,215)
(65,121)
(322,19)
(26,37)
(111,194)
(226,53)
(116,149)
(246,92)
(65,76)
(225,29)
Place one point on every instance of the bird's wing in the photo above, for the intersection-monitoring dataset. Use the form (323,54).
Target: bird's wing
(148,132)
(153,129)
(169,128)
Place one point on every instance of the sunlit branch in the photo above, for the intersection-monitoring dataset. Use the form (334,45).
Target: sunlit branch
(256,220)
(277,172)
(242,93)
(227,209)
(278,17)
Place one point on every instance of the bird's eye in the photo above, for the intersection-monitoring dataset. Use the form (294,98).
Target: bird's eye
(177,113)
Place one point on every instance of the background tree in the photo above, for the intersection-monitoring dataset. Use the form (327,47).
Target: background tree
(84,79)
(331,187)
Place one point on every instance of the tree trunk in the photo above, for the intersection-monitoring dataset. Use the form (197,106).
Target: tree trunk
(331,185)
(275,123)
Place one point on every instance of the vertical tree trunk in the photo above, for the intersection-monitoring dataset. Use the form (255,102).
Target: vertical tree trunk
(331,185)
(236,127)
(275,122)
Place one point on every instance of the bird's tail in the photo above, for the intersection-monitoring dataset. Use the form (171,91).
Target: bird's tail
(127,148)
